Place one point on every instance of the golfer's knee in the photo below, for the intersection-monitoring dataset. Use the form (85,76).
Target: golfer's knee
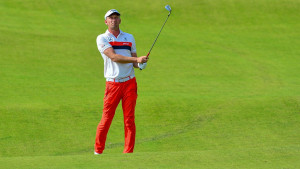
(129,122)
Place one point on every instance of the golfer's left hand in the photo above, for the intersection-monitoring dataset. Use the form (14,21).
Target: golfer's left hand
(142,65)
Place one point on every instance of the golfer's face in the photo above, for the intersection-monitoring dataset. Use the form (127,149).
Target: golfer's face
(113,21)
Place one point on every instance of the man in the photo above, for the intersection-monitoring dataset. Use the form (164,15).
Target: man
(118,51)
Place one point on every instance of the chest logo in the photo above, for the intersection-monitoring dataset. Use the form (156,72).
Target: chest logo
(110,39)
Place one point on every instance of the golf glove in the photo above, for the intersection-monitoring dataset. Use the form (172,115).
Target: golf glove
(142,65)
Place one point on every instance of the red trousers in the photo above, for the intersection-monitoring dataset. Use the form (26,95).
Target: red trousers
(114,92)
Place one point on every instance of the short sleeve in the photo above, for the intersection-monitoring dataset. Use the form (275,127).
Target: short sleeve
(133,47)
(102,43)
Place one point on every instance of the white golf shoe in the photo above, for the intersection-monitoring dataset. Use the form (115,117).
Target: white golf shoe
(96,153)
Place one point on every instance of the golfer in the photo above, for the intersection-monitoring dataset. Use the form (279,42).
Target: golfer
(118,51)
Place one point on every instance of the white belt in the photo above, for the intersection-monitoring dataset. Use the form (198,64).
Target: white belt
(120,80)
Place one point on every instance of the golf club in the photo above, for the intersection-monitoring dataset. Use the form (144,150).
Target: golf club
(169,9)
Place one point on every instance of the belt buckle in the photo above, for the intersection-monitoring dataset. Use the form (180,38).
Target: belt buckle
(124,79)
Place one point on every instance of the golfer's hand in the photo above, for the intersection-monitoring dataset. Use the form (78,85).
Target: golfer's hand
(142,59)
(142,65)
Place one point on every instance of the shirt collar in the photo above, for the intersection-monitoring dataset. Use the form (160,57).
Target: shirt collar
(121,32)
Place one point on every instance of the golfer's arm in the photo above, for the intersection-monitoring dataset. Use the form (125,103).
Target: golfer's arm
(135,64)
(119,58)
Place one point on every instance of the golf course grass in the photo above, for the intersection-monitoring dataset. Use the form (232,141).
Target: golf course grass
(221,88)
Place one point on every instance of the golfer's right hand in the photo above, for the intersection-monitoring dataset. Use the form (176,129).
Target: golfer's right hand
(142,59)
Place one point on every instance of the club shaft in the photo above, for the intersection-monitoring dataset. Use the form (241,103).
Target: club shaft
(158,35)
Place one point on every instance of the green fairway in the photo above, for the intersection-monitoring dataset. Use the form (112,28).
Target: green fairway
(221,89)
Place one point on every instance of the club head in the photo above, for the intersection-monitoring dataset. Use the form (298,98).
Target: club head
(168,8)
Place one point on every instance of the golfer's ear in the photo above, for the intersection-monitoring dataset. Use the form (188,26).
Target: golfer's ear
(105,22)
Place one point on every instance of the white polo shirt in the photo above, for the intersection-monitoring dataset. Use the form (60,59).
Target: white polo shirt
(124,45)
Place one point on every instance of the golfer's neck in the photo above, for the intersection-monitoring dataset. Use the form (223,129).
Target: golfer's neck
(115,32)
